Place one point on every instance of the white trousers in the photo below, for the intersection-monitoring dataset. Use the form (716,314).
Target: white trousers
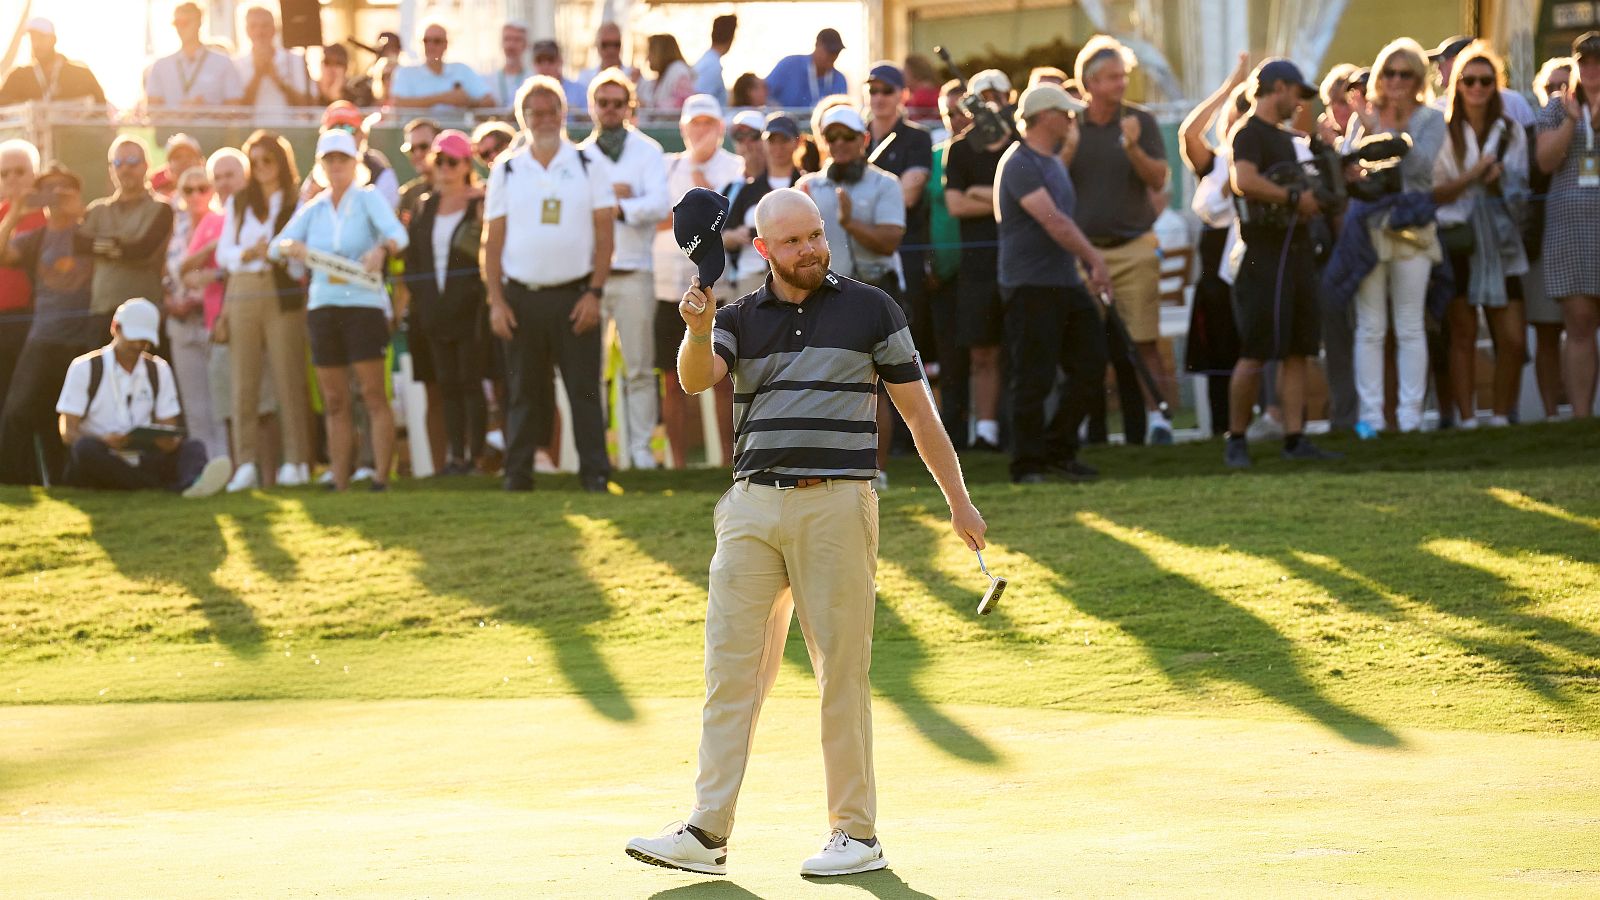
(1400,285)
(630,302)
(190,345)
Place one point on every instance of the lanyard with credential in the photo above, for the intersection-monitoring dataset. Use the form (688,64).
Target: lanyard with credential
(816,82)
(47,88)
(187,81)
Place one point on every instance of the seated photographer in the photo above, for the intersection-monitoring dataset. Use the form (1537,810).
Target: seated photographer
(110,395)
(1275,292)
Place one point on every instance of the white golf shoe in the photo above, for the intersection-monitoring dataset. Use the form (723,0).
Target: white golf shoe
(244,479)
(844,855)
(676,847)
(213,478)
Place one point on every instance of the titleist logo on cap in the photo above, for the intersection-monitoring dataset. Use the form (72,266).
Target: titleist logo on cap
(692,246)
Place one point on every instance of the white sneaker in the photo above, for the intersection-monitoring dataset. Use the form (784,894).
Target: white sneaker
(496,439)
(364,473)
(1159,432)
(294,475)
(880,482)
(844,855)
(676,847)
(213,478)
(1467,424)
(326,477)
(543,465)
(1264,428)
(244,479)
(1499,422)
(644,459)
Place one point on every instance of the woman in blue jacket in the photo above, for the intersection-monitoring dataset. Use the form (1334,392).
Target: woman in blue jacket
(348,319)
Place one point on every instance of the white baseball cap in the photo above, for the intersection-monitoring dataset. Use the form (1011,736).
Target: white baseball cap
(140,320)
(989,80)
(337,141)
(846,116)
(700,105)
(749,118)
(41,25)
(1043,96)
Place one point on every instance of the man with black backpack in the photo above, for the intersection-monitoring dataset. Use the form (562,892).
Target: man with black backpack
(119,416)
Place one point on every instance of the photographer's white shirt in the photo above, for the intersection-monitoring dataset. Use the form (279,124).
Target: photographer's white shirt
(124,401)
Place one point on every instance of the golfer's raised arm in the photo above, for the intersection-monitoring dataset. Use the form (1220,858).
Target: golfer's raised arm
(699,367)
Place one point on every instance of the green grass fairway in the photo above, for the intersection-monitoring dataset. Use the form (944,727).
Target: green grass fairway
(535,798)
(1378,677)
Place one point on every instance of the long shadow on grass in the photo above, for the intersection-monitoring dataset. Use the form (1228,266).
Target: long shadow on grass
(531,576)
(164,539)
(897,655)
(1213,639)
(1365,574)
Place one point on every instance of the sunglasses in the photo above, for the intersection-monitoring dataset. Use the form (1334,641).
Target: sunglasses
(447,161)
(746,136)
(834,137)
(1398,75)
(546,58)
(127,162)
(610,45)
(883,91)
(13,172)
(611,103)
(433,40)
(1477,81)
(420,147)
(488,154)
(193,189)
(263,162)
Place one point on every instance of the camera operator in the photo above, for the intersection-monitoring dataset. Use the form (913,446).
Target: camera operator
(969,195)
(1275,292)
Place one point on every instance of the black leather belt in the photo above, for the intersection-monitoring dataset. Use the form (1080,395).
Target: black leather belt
(1110,243)
(785,482)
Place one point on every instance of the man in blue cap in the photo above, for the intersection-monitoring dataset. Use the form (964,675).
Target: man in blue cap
(799,81)
(1275,292)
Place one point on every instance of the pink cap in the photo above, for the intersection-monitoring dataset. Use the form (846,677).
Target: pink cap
(451,142)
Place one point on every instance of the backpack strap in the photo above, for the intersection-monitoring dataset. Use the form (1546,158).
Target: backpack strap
(97,374)
(153,373)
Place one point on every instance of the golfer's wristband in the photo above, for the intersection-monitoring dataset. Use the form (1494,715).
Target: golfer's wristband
(699,338)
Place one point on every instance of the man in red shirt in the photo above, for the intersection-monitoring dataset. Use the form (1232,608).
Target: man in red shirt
(19,163)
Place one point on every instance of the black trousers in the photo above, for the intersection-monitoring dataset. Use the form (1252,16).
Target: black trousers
(458,374)
(1049,329)
(29,413)
(13,336)
(95,465)
(543,341)
(955,364)
(1130,395)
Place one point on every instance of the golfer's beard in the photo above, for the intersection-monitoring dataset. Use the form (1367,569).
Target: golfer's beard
(807,278)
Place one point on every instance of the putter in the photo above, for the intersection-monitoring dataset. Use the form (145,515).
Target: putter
(997,586)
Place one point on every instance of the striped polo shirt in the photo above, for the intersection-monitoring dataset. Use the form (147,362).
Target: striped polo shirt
(805,376)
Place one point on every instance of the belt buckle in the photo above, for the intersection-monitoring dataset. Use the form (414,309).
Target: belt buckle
(786,487)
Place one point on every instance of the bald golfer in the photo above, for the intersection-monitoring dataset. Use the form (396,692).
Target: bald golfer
(798,531)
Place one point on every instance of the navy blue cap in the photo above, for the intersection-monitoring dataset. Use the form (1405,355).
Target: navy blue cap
(888,73)
(697,223)
(1272,71)
(782,123)
(1449,48)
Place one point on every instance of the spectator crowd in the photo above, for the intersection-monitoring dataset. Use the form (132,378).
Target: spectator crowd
(230,318)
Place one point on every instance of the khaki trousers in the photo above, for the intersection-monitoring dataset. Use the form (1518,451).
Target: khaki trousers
(259,330)
(630,301)
(1135,270)
(813,551)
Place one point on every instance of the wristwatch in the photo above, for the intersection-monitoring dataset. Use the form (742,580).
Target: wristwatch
(598,290)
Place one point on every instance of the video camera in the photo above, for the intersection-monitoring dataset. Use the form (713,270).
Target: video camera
(1378,157)
(989,124)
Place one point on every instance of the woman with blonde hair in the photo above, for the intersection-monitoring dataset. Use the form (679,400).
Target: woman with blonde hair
(1395,104)
(1479,172)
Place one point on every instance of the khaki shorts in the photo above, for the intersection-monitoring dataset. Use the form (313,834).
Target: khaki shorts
(1136,285)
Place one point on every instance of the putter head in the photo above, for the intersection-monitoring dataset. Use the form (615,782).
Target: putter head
(991,596)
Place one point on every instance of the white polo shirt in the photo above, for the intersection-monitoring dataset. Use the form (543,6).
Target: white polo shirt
(643,168)
(291,68)
(124,401)
(209,79)
(549,213)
